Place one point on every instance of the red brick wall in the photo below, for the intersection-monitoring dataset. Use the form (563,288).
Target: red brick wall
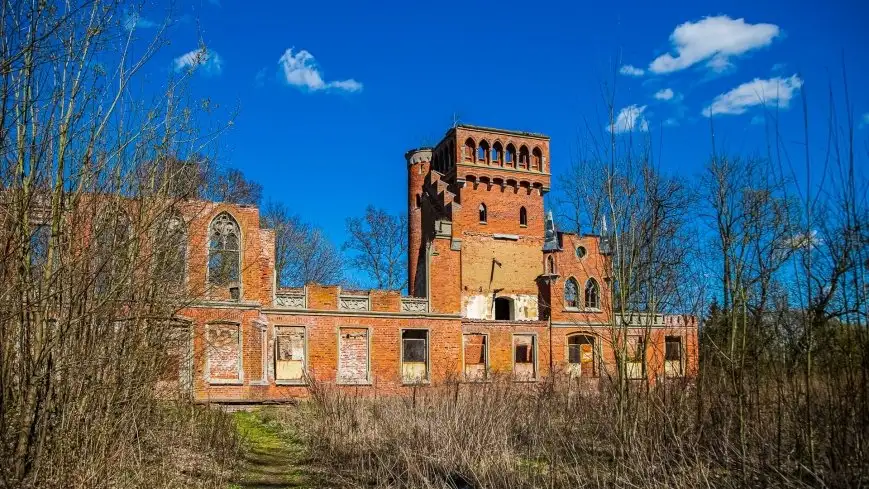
(568,265)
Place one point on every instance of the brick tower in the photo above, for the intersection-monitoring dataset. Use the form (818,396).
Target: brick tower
(483,197)
(418,166)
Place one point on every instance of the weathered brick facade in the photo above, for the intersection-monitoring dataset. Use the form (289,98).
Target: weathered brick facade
(494,290)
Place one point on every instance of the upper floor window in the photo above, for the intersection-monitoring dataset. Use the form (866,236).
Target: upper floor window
(175,258)
(523,217)
(510,155)
(483,151)
(580,251)
(224,246)
(592,294)
(112,246)
(571,293)
(468,150)
(497,154)
(483,213)
(550,264)
(523,157)
(537,160)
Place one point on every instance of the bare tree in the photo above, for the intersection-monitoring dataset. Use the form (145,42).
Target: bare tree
(378,246)
(303,254)
(89,227)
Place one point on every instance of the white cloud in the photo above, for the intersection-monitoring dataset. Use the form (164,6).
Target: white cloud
(629,119)
(134,20)
(631,70)
(209,61)
(714,40)
(665,94)
(775,91)
(301,70)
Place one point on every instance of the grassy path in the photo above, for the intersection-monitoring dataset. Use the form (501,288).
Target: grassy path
(273,458)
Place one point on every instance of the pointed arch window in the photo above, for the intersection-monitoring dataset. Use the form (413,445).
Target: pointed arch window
(468,150)
(523,217)
(510,155)
(224,246)
(174,235)
(571,293)
(112,249)
(483,152)
(523,157)
(592,294)
(536,160)
(550,265)
(484,215)
(497,154)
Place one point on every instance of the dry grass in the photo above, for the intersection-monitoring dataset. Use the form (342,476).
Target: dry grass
(507,435)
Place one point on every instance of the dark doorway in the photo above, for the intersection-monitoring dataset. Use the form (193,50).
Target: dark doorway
(503,309)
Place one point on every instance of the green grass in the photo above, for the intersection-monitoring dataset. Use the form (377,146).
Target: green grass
(273,456)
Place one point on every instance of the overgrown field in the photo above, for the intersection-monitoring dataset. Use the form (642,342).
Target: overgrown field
(507,435)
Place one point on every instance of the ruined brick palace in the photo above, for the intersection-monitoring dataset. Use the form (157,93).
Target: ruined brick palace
(494,290)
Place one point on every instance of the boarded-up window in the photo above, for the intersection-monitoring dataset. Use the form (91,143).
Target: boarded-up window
(176,359)
(581,356)
(353,356)
(290,353)
(673,356)
(476,355)
(635,353)
(224,353)
(414,355)
(524,353)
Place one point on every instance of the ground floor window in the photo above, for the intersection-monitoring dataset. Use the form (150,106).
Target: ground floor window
(635,352)
(581,356)
(673,356)
(290,353)
(524,357)
(414,355)
(224,362)
(476,354)
(353,356)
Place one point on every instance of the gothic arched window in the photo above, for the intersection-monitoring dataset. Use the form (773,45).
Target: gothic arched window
(592,294)
(483,214)
(571,292)
(224,246)
(175,259)
(523,217)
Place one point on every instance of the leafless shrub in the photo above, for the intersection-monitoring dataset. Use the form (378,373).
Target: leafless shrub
(92,226)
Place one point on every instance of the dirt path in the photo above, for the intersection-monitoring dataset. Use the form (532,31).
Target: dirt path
(273,458)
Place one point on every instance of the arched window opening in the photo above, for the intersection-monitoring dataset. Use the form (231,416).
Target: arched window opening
(592,294)
(581,355)
(483,214)
(468,150)
(571,293)
(537,160)
(503,309)
(550,265)
(510,155)
(497,154)
(580,251)
(418,201)
(483,152)
(175,237)
(224,246)
(523,158)
(111,243)
(523,217)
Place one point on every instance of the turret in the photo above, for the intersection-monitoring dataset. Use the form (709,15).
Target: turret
(418,165)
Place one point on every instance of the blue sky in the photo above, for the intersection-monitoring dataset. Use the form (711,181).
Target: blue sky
(324,126)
